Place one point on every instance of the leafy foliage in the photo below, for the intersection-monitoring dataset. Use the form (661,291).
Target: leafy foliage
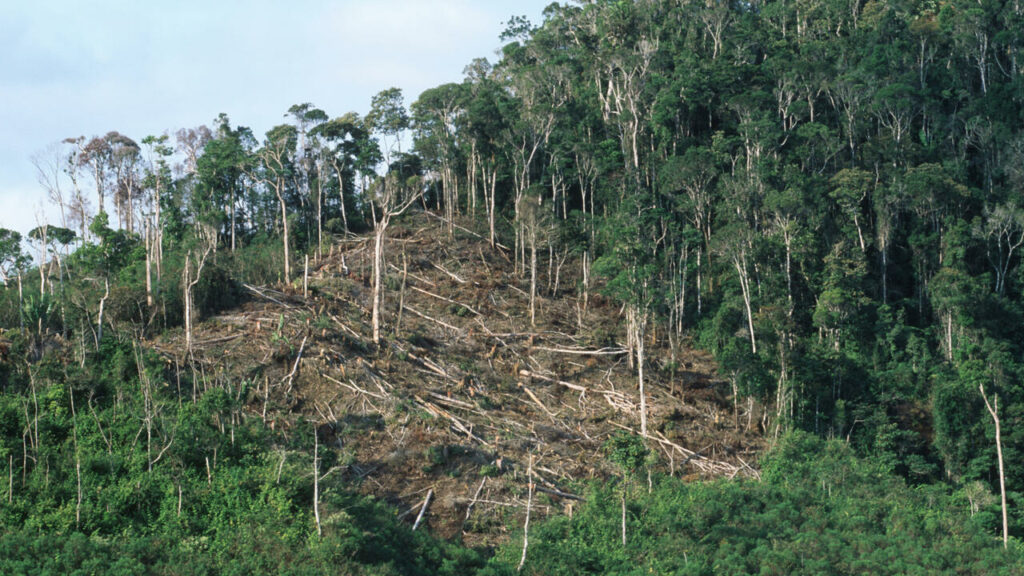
(818,509)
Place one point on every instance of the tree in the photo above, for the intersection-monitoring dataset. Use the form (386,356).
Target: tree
(156,181)
(307,117)
(78,204)
(344,143)
(47,238)
(277,168)
(388,118)
(49,165)
(993,410)
(633,235)
(536,226)
(481,129)
(629,454)
(12,258)
(434,116)
(1002,230)
(124,165)
(736,245)
(850,188)
(220,170)
(95,154)
(205,240)
(689,181)
(393,196)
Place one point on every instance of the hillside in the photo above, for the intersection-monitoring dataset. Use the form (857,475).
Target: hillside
(793,232)
(464,391)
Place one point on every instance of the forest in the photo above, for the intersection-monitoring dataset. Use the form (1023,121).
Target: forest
(824,197)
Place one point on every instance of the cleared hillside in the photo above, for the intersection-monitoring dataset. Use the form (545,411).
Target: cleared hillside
(464,390)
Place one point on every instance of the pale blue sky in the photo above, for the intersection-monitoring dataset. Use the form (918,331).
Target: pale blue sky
(86,67)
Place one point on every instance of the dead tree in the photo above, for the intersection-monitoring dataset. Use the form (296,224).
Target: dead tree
(316,481)
(993,410)
(207,238)
(393,198)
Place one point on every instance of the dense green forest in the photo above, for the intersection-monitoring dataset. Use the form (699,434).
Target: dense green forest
(824,195)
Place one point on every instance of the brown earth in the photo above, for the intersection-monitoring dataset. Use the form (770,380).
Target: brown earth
(465,391)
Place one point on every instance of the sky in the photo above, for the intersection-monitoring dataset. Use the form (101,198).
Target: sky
(73,68)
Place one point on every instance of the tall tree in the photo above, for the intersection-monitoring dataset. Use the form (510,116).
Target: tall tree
(276,170)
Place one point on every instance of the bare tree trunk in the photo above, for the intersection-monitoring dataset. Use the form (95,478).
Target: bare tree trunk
(390,207)
(622,496)
(423,509)
(341,196)
(949,336)
(586,279)
(78,458)
(99,321)
(993,409)
(401,293)
(491,206)
(159,249)
(186,281)
(700,300)
(533,275)
(316,481)
(319,218)
(42,258)
(284,223)
(640,320)
(149,265)
(526,522)
(378,265)
(209,238)
(147,405)
(233,223)
(741,268)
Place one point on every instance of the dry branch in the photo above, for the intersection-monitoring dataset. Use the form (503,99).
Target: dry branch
(569,385)
(452,401)
(442,413)
(344,327)
(414,276)
(449,300)
(466,230)
(476,495)
(426,502)
(559,493)
(585,352)
(262,294)
(295,367)
(451,274)
(537,401)
(434,320)
(217,340)
(352,386)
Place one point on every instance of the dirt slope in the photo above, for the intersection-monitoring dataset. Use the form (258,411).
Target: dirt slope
(464,391)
